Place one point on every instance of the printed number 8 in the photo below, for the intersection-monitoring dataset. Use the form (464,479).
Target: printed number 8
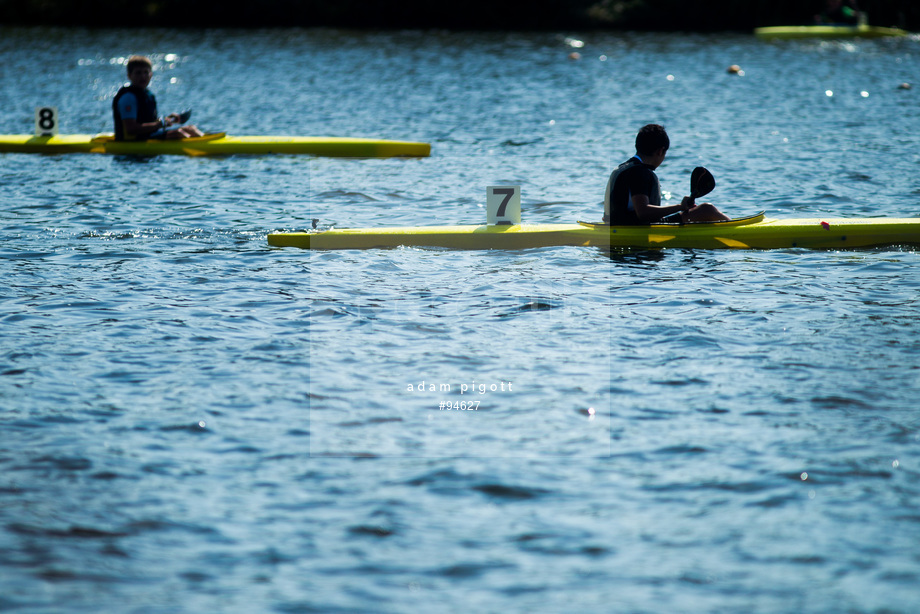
(46,119)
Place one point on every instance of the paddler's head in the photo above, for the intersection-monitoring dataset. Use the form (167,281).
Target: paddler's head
(140,70)
(652,144)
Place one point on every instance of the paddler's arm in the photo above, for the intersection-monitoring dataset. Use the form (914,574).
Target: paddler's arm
(649,213)
(132,128)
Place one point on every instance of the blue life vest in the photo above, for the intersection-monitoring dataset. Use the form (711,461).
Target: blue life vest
(146,110)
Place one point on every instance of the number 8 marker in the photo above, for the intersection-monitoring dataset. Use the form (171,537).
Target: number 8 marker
(46,121)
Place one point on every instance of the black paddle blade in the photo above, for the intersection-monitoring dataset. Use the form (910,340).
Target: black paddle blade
(701,182)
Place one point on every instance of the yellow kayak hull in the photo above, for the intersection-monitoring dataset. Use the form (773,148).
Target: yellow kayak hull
(755,232)
(791,32)
(214,145)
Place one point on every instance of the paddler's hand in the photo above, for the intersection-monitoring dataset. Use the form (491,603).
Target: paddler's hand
(687,203)
(172,118)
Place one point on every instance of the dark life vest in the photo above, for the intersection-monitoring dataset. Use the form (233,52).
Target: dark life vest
(628,179)
(146,109)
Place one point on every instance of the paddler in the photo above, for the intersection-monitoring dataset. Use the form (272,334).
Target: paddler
(633,194)
(839,12)
(135,109)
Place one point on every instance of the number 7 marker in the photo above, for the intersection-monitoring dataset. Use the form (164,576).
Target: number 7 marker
(503,205)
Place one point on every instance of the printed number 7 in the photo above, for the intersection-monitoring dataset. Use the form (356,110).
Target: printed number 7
(508,192)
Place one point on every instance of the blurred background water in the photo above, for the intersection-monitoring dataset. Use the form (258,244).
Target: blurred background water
(193,421)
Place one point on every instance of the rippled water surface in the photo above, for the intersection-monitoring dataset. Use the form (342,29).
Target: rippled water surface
(193,421)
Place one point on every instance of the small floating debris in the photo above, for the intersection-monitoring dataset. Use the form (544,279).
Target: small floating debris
(904,86)
(574,56)
(734,69)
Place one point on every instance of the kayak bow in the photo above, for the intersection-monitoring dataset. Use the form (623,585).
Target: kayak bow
(214,144)
(753,232)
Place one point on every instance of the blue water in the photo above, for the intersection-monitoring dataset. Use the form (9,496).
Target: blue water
(192,421)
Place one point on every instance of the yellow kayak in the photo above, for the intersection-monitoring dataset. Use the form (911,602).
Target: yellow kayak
(863,31)
(753,232)
(214,144)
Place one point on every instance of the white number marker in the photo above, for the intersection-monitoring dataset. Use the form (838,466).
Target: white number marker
(46,121)
(503,204)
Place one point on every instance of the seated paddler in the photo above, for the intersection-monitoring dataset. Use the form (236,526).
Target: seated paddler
(135,109)
(839,13)
(633,195)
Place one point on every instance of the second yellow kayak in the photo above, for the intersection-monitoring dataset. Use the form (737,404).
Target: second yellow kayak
(215,144)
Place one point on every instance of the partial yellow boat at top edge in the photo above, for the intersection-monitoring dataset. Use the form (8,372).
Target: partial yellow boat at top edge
(827,32)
